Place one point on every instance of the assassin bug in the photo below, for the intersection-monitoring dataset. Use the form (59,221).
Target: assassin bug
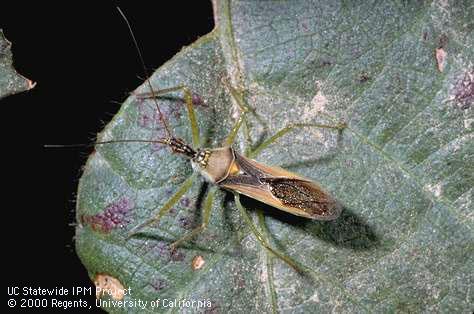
(228,169)
(238,173)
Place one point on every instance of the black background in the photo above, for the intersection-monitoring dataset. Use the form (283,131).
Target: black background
(84,62)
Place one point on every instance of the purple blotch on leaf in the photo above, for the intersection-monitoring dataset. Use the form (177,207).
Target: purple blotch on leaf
(185,202)
(185,222)
(197,100)
(114,216)
(158,284)
(164,250)
(464,90)
(176,255)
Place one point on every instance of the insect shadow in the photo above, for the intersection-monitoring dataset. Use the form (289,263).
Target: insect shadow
(197,217)
(349,230)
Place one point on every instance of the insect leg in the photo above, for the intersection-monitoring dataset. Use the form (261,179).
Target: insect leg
(276,136)
(244,108)
(188,99)
(166,208)
(260,237)
(233,133)
(205,219)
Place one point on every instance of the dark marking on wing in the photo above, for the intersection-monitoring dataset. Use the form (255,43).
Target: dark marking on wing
(303,195)
(241,180)
(248,168)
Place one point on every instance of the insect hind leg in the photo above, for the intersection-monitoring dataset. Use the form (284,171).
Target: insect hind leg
(260,237)
(188,99)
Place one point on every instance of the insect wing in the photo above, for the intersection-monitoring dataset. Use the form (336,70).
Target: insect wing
(305,196)
(284,190)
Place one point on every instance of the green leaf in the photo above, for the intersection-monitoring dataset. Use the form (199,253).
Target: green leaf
(10,81)
(403,168)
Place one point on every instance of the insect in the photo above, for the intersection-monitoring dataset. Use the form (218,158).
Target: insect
(226,168)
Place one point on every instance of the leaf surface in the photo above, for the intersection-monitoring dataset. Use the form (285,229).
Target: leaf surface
(403,168)
(10,81)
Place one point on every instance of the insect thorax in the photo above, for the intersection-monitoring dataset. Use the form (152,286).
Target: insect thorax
(201,159)
(213,164)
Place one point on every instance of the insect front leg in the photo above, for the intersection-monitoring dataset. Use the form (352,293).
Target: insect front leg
(205,219)
(245,108)
(188,99)
(166,208)
(233,133)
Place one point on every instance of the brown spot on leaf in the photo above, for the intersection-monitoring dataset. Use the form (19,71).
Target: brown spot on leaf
(31,84)
(441,55)
(197,262)
(114,216)
(425,36)
(363,77)
(108,285)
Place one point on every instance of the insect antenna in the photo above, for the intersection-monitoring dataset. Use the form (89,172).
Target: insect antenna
(165,141)
(142,61)
(160,141)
